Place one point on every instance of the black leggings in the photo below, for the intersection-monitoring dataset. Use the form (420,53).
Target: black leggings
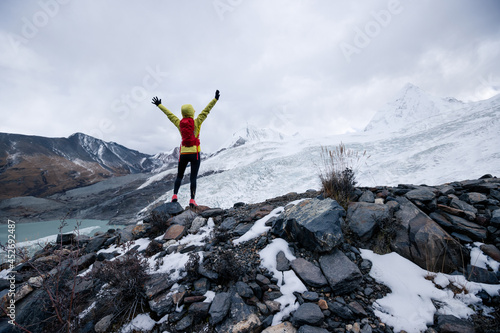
(195,166)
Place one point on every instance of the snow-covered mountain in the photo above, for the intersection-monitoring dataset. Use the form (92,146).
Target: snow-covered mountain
(252,134)
(413,109)
(109,155)
(39,166)
(417,138)
(166,160)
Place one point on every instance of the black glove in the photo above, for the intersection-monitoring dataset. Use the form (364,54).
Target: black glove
(156,101)
(217,95)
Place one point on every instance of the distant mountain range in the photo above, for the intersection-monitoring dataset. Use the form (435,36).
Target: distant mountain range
(41,166)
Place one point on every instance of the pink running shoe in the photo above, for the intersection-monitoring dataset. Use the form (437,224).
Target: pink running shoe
(192,203)
(174,198)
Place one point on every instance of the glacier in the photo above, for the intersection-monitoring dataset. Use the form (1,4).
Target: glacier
(417,138)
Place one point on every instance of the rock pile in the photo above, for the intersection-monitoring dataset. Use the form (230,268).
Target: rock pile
(196,276)
(431,225)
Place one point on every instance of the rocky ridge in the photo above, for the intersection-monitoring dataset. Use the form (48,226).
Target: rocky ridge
(193,265)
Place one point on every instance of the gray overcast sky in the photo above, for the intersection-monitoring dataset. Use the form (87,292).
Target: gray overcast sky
(317,67)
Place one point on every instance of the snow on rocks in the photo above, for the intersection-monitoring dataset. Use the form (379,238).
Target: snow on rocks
(248,268)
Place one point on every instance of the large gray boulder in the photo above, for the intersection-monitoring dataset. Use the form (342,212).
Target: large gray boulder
(364,218)
(314,223)
(367,196)
(169,209)
(342,274)
(220,307)
(474,198)
(95,244)
(341,310)
(423,194)
(309,273)
(423,241)
(308,313)
(185,219)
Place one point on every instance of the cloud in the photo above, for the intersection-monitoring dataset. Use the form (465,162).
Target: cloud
(90,66)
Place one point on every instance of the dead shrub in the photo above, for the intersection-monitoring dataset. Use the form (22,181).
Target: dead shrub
(159,223)
(227,266)
(192,266)
(337,173)
(126,275)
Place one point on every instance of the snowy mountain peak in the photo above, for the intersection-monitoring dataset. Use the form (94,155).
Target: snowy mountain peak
(411,105)
(252,133)
(411,88)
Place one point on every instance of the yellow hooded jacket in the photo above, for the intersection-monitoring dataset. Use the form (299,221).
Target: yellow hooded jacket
(187,110)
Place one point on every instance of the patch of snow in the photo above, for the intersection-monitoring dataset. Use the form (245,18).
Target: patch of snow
(287,281)
(142,242)
(87,271)
(210,295)
(174,263)
(200,238)
(142,322)
(87,310)
(4,274)
(89,166)
(410,305)
(163,319)
(441,280)
(259,227)
(480,259)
